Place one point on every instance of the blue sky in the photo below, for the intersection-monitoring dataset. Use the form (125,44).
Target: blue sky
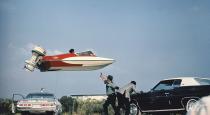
(150,41)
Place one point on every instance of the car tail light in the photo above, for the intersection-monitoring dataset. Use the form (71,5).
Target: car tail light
(25,105)
(45,104)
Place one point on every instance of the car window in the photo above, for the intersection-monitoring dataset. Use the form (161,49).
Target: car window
(177,83)
(40,95)
(164,85)
(203,81)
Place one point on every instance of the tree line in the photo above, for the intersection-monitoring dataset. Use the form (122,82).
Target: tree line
(70,106)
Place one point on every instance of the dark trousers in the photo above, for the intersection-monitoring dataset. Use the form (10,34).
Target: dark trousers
(127,106)
(111,99)
(123,103)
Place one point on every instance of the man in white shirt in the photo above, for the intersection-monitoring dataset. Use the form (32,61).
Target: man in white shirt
(123,96)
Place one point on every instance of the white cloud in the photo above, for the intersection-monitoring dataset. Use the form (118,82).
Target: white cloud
(54,52)
(10,45)
(30,46)
(196,8)
(6,6)
(26,50)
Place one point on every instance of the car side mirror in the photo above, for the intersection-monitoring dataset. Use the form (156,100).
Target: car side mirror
(141,92)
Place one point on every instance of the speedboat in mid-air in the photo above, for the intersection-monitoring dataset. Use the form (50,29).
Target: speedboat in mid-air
(83,61)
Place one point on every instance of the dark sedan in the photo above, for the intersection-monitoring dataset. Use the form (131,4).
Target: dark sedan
(171,95)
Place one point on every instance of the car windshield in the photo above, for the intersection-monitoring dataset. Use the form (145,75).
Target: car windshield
(40,95)
(203,81)
(164,85)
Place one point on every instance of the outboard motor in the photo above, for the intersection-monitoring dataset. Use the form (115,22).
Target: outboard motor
(37,54)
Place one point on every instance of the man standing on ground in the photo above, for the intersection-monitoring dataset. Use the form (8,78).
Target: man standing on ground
(110,91)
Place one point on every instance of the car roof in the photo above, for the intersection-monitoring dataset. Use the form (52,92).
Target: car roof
(183,78)
(187,81)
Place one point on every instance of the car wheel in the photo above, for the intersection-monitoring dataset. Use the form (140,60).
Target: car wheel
(134,110)
(190,104)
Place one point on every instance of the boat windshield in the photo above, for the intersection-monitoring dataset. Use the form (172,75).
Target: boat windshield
(86,53)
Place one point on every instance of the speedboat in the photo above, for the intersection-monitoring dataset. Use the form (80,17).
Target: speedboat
(83,61)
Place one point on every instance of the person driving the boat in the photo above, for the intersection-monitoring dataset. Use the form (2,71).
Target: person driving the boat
(71,51)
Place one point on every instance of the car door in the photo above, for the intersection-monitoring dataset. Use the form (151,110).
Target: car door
(176,95)
(146,101)
(161,95)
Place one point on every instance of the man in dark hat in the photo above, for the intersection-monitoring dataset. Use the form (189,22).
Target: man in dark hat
(110,91)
